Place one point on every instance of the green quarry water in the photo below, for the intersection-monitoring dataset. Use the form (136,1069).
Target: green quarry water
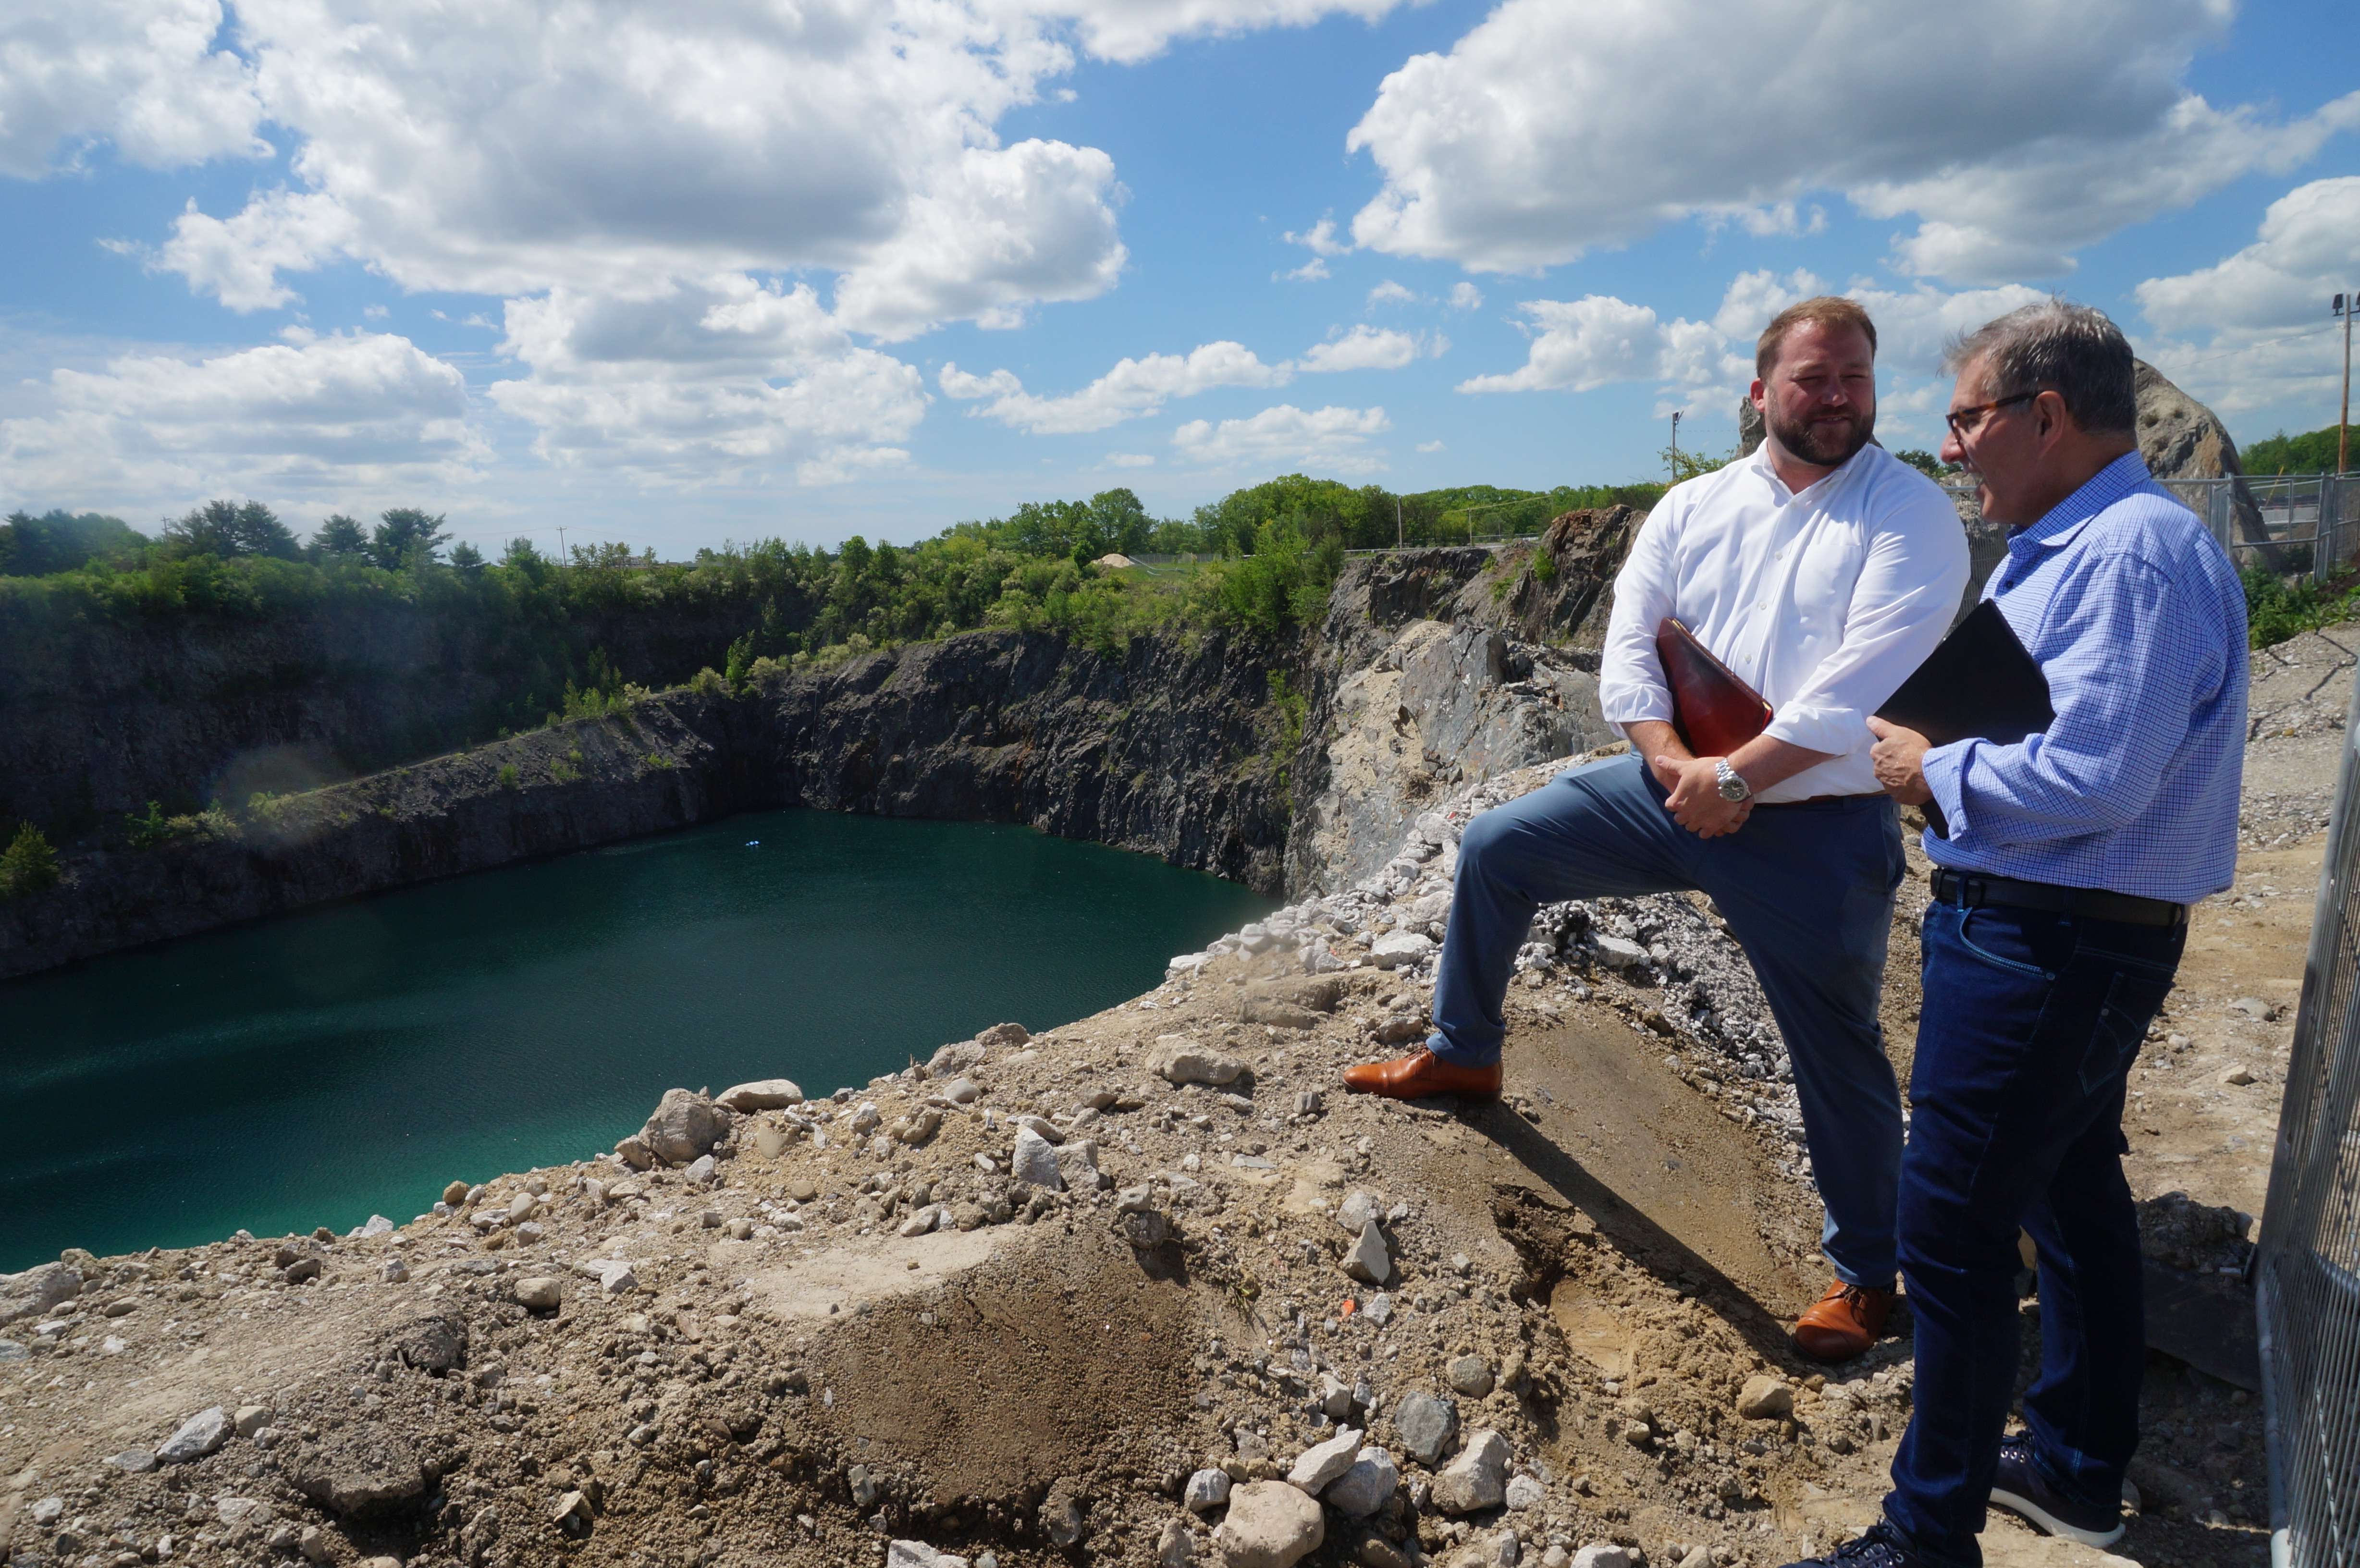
(318,1068)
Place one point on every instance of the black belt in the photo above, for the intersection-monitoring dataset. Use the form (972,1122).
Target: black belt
(1973,890)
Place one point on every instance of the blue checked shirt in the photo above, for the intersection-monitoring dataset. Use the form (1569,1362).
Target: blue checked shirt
(2132,610)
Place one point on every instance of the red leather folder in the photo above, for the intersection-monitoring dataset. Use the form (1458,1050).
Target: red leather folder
(1713,710)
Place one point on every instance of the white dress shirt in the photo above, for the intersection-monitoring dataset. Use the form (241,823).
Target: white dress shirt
(1822,600)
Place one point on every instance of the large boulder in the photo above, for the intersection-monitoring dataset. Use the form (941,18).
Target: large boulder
(2181,439)
(683,1127)
(1270,1525)
(36,1291)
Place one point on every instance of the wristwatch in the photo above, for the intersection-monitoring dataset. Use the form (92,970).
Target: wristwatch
(1731,782)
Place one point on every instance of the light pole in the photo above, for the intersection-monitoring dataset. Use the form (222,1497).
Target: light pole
(2344,306)
(1676,446)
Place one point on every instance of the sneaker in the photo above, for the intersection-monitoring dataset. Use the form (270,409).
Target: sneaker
(2022,1490)
(1880,1547)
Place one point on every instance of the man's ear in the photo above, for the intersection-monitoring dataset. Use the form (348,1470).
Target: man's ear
(1755,394)
(2055,422)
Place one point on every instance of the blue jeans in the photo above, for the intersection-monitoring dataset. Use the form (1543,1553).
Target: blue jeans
(2030,1026)
(1808,891)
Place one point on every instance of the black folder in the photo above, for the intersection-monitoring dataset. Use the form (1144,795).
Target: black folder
(1980,684)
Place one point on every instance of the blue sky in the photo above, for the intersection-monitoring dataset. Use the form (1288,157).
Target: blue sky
(818,269)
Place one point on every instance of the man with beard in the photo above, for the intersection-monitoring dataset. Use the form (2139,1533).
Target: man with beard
(1821,571)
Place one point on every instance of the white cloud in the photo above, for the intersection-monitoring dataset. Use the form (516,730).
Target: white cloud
(1130,30)
(1432,446)
(313,416)
(1320,240)
(140,74)
(1129,460)
(1312,271)
(2013,130)
(720,380)
(1132,389)
(1329,438)
(1370,348)
(1598,340)
(1464,296)
(2252,332)
(1390,293)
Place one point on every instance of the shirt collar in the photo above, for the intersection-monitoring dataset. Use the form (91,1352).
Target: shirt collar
(1760,458)
(2066,519)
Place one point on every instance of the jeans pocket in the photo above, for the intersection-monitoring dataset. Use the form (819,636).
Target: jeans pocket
(2134,997)
(1999,936)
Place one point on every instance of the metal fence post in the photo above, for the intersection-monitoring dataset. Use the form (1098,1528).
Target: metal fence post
(2307,1267)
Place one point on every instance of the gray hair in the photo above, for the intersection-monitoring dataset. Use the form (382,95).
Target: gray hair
(2074,351)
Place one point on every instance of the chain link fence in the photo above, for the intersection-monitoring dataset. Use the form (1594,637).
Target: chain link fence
(2307,1268)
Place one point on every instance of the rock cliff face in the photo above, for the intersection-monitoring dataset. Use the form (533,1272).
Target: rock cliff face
(1170,749)
(98,717)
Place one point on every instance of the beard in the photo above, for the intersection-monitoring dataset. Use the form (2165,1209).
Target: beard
(1824,444)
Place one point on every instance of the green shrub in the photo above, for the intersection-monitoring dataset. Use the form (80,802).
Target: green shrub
(507,776)
(28,864)
(155,829)
(2276,609)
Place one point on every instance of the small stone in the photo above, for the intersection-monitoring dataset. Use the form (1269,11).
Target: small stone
(1146,1229)
(1176,1060)
(394,1272)
(1367,1487)
(1470,1374)
(616,1278)
(1524,1492)
(1175,1548)
(918,1554)
(1368,1260)
(923,1221)
(770,1142)
(701,1171)
(1270,1525)
(1696,1556)
(1208,1490)
(1003,1037)
(803,1190)
(2253,1007)
(300,1271)
(1401,950)
(1334,1397)
(741,1229)
(251,1419)
(1477,1480)
(360,1468)
(455,1193)
(1357,1210)
(1601,1554)
(521,1207)
(1426,1425)
(540,1292)
(1036,1160)
(962,1091)
(1766,1398)
(197,1436)
(48,1511)
(1077,1165)
(241,1513)
(314,1545)
(1322,1463)
(634,1151)
(761,1094)
(1380,1310)
(1620,952)
(135,1461)
(572,1513)
(2237,1077)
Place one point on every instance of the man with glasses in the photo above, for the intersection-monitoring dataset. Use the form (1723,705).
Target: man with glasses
(1821,569)
(2060,906)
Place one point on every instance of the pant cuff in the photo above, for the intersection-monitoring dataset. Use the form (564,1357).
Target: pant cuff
(1444,1051)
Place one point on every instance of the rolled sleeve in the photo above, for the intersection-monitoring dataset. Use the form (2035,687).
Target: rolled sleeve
(1630,686)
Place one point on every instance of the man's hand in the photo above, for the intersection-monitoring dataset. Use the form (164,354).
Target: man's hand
(1696,802)
(1899,758)
(1660,746)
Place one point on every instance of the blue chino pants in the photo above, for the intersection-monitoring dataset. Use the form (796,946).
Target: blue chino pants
(2031,1023)
(1808,890)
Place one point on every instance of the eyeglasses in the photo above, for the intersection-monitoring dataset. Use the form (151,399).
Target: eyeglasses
(1964,422)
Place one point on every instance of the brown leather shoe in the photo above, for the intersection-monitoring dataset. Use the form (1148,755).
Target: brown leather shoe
(1420,1074)
(1843,1322)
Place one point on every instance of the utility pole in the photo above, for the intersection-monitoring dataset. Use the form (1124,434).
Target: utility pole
(561,544)
(1397,522)
(1676,446)
(2344,306)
